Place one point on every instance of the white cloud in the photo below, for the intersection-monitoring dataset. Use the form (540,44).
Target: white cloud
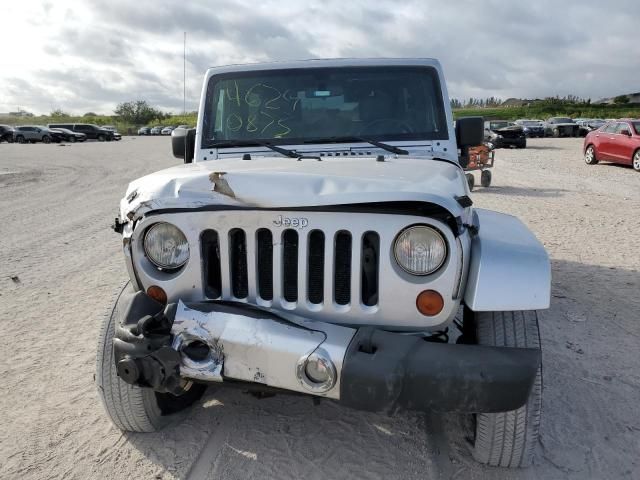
(88,56)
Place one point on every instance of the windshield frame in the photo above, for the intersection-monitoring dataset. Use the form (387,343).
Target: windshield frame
(209,111)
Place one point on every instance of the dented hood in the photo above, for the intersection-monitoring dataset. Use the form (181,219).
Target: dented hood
(277,182)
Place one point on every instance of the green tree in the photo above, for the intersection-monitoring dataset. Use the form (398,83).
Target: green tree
(90,114)
(621,99)
(138,112)
(58,113)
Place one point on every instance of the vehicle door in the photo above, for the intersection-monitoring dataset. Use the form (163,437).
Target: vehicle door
(31,133)
(604,140)
(623,143)
(82,129)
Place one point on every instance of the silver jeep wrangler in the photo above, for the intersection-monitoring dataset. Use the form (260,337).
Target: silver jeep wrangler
(320,239)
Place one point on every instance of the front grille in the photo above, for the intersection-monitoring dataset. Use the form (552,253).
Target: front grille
(291,266)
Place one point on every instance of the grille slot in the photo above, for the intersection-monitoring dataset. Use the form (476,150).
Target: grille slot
(369,267)
(210,251)
(315,269)
(290,265)
(238,263)
(342,268)
(264,264)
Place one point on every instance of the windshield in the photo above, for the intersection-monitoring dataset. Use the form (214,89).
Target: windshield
(531,123)
(497,125)
(291,106)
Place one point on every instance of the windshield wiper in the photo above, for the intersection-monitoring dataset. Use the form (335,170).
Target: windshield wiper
(249,143)
(375,143)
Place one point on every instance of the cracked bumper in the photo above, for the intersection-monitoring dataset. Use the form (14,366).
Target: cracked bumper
(165,347)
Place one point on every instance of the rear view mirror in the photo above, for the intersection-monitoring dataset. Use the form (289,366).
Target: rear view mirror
(469,133)
(183,143)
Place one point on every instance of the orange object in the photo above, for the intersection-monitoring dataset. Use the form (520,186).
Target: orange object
(429,303)
(478,155)
(158,294)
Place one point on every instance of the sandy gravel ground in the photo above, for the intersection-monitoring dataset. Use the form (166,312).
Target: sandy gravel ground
(60,263)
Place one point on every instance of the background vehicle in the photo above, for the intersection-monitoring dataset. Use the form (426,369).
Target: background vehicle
(588,124)
(37,133)
(617,142)
(156,130)
(561,127)
(531,128)
(93,132)
(116,134)
(144,131)
(502,133)
(167,130)
(330,257)
(6,133)
(70,136)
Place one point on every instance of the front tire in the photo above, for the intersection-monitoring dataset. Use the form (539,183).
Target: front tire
(73,139)
(471,181)
(101,138)
(132,408)
(590,155)
(508,439)
(46,139)
(485,178)
(635,162)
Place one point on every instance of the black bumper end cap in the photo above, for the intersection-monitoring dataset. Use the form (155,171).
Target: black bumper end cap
(405,372)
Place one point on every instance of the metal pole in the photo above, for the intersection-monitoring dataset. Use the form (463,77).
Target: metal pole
(184,76)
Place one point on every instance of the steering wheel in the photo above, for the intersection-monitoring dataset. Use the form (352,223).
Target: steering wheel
(405,127)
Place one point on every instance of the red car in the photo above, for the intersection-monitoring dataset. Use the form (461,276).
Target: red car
(617,142)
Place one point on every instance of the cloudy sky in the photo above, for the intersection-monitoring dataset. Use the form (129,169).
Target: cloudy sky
(90,55)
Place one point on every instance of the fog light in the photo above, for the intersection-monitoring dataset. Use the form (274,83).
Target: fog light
(429,303)
(316,372)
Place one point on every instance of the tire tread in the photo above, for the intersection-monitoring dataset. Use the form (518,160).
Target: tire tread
(507,439)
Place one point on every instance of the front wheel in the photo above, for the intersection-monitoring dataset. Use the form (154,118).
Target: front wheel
(46,139)
(590,155)
(636,161)
(101,138)
(20,139)
(508,439)
(73,139)
(485,178)
(132,408)
(471,181)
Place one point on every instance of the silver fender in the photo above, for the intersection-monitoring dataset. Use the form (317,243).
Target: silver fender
(509,268)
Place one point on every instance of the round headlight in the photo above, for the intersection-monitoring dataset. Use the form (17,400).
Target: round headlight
(166,246)
(420,250)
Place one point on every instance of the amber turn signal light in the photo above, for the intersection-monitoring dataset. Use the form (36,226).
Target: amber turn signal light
(429,303)
(158,294)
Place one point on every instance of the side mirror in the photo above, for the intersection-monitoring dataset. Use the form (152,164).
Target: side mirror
(626,132)
(183,142)
(469,133)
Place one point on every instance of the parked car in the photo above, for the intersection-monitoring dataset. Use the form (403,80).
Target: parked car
(37,133)
(6,133)
(335,279)
(116,135)
(561,127)
(144,131)
(531,128)
(93,132)
(501,133)
(588,124)
(167,130)
(156,130)
(617,142)
(70,136)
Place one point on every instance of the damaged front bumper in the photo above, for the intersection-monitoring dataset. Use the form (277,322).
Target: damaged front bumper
(165,348)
